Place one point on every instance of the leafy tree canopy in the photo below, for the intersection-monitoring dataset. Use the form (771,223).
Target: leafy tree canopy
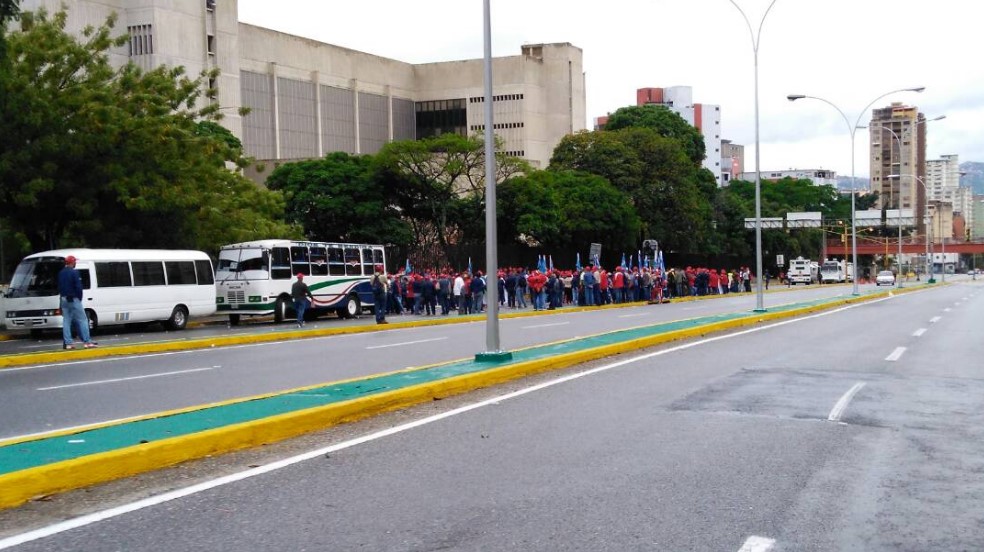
(338,198)
(566,211)
(665,122)
(117,157)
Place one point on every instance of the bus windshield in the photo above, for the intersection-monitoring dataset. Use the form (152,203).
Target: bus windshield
(36,278)
(243,264)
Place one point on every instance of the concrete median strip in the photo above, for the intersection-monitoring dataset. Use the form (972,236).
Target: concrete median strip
(52,463)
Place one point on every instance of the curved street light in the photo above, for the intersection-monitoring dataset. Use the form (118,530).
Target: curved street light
(852,129)
(756,40)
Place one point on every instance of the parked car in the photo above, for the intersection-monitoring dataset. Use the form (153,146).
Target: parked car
(886,277)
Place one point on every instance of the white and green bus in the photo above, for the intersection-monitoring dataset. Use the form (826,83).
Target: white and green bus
(254,278)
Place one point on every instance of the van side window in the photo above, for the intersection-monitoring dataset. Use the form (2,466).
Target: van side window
(86,278)
(148,273)
(113,274)
(204,271)
(180,273)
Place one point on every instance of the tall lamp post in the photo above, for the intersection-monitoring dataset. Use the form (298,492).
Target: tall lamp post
(756,40)
(852,129)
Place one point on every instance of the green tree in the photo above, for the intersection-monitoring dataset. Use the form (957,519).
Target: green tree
(339,198)
(671,194)
(117,157)
(438,181)
(665,122)
(566,211)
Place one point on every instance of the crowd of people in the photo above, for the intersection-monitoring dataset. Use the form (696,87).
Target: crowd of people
(441,292)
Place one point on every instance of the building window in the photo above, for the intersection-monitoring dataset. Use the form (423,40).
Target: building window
(210,44)
(438,117)
(210,5)
(141,40)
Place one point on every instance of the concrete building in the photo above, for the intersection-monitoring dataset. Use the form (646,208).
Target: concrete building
(943,186)
(732,161)
(894,161)
(976,222)
(308,98)
(819,177)
(705,117)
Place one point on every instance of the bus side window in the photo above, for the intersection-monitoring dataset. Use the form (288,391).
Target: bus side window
(280,264)
(203,269)
(180,273)
(378,258)
(353,262)
(319,261)
(367,264)
(299,260)
(336,261)
(113,274)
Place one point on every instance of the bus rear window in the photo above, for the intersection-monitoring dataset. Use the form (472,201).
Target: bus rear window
(204,270)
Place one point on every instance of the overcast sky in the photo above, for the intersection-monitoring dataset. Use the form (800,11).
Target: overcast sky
(848,52)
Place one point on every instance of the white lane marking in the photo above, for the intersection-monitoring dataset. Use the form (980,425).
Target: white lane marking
(896,354)
(841,404)
(634,315)
(935,319)
(757,544)
(948,309)
(96,517)
(919,332)
(406,343)
(117,380)
(544,325)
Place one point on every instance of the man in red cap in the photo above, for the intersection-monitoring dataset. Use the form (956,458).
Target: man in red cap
(379,285)
(300,293)
(70,291)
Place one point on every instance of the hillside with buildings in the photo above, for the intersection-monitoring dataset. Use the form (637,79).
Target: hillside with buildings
(972,176)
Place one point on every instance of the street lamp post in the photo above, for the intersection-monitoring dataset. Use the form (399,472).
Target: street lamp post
(756,40)
(853,130)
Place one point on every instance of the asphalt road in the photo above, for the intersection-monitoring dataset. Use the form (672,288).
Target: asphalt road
(69,394)
(858,429)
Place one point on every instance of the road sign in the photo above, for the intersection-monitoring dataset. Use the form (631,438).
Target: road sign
(594,254)
(780,260)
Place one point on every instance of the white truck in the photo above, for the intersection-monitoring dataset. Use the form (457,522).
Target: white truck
(836,272)
(802,271)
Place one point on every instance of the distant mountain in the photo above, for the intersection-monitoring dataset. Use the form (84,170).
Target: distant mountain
(973,176)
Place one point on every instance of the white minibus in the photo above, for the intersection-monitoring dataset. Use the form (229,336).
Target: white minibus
(120,286)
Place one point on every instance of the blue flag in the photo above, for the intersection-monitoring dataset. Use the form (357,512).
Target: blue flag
(408,268)
(577,265)
(470,266)
(623,260)
(551,263)
(541,264)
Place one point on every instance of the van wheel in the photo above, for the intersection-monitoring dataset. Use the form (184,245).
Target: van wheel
(93,320)
(280,310)
(353,307)
(233,319)
(178,320)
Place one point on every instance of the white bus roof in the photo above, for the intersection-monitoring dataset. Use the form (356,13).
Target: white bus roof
(84,254)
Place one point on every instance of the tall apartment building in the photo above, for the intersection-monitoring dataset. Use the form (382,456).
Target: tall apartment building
(943,186)
(705,117)
(897,165)
(308,98)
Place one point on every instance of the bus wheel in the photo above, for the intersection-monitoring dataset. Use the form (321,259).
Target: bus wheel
(93,320)
(280,310)
(353,307)
(233,319)
(178,320)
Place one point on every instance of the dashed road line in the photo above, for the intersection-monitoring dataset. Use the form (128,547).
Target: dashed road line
(757,544)
(935,319)
(544,325)
(117,380)
(406,343)
(896,354)
(919,332)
